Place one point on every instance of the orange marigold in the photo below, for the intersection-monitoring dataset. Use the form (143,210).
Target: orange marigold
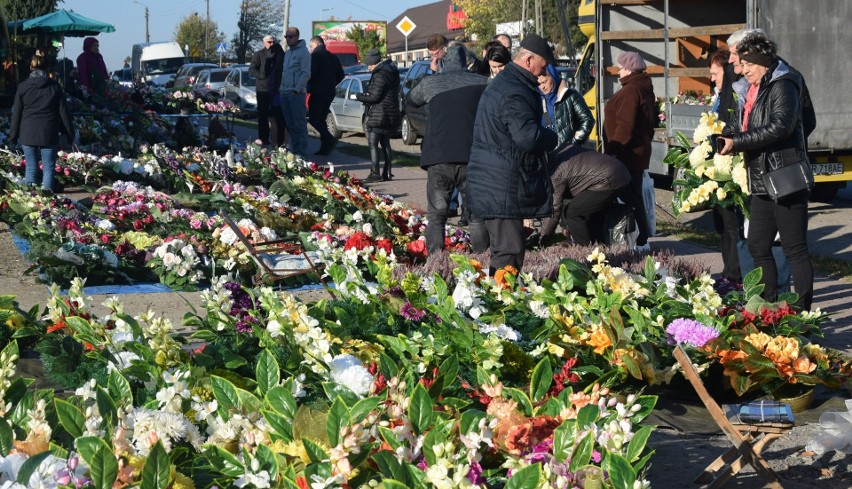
(599,340)
(782,349)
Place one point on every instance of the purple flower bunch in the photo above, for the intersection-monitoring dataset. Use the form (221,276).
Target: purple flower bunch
(241,306)
(408,311)
(691,332)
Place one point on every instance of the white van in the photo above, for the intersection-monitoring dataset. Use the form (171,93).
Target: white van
(156,62)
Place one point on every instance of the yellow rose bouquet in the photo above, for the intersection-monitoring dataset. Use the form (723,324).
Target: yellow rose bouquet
(704,178)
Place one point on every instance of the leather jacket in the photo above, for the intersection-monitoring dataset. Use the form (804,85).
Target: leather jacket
(775,137)
(572,115)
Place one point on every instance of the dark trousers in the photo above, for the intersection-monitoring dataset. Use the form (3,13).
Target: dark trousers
(508,247)
(631,194)
(727,222)
(318,113)
(263,102)
(789,218)
(581,209)
(441,181)
(379,142)
(277,127)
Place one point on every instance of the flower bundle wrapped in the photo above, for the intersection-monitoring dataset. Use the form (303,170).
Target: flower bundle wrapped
(705,178)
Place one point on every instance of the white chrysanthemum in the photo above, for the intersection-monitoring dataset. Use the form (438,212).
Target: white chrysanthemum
(699,154)
(348,371)
(502,331)
(105,224)
(724,164)
(740,177)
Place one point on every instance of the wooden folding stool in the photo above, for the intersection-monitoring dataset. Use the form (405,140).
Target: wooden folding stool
(750,432)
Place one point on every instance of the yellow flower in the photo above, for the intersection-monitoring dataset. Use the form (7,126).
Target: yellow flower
(759,340)
(599,339)
(721,194)
(782,349)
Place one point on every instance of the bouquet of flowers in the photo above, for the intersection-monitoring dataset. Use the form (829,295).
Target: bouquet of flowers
(182,100)
(177,264)
(705,178)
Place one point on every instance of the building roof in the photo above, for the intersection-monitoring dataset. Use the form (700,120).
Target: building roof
(429,19)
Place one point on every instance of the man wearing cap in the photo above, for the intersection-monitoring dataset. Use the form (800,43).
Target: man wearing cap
(297,73)
(508,179)
(262,68)
(629,120)
(326,73)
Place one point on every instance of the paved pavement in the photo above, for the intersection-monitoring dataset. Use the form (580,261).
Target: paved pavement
(830,229)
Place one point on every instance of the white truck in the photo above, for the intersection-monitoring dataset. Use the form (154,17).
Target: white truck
(156,62)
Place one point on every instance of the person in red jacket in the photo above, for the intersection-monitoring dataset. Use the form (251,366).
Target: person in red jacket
(91,70)
(629,120)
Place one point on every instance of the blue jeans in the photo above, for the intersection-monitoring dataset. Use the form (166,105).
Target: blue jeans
(295,114)
(48,160)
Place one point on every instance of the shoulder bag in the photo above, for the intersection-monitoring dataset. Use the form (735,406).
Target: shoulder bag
(788,179)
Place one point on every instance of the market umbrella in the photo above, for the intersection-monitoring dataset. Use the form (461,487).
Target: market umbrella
(65,22)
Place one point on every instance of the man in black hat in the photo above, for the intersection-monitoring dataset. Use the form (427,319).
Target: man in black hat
(508,179)
(326,73)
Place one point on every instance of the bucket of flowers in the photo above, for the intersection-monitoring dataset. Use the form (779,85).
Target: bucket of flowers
(183,101)
(704,178)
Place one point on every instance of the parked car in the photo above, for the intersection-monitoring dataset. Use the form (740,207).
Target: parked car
(124,77)
(347,113)
(413,118)
(211,80)
(187,73)
(349,70)
(239,88)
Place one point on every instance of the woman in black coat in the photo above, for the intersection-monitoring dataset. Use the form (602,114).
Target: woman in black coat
(772,137)
(39,114)
(383,115)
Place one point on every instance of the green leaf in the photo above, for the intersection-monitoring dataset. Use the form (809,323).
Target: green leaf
(637,443)
(282,426)
(88,445)
(157,470)
(588,415)
(526,478)
(223,461)
(267,371)
(390,437)
(420,409)
(387,463)
(281,399)
(449,370)
(524,403)
(233,361)
(621,474)
(226,395)
(582,452)
(104,468)
(362,408)
(632,366)
(267,460)
(563,440)
(337,418)
(388,366)
(70,417)
(315,452)
(119,388)
(248,402)
(392,484)
(542,376)
(105,404)
(29,466)
(334,390)
(7,438)
(470,420)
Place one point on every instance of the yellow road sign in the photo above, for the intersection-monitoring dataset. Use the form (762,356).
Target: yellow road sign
(406,26)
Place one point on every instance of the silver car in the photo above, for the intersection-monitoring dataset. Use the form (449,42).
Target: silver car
(211,80)
(187,73)
(347,113)
(239,88)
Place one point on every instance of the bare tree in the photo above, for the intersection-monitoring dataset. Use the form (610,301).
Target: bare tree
(256,19)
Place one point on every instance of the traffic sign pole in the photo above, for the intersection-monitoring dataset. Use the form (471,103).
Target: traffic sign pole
(405,26)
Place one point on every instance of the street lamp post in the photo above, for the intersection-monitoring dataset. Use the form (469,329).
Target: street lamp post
(147,32)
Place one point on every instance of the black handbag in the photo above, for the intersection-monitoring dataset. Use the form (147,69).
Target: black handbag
(788,180)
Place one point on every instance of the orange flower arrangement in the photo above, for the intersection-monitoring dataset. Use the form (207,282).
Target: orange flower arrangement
(500,275)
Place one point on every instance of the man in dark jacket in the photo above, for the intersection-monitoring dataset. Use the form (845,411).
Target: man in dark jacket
(326,73)
(262,68)
(507,175)
(452,97)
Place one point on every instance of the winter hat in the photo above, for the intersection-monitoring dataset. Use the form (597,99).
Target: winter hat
(536,44)
(373,57)
(455,59)
(631,61)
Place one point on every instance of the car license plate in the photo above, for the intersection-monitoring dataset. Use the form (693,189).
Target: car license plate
(827,168)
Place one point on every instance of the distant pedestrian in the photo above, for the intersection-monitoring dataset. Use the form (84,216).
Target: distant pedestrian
(451,98)
(91,69)
(39,115)
(297,73)
(261,69)
(326,73)
(437,46)
(504,39)
(507,177)
(382,115)
(275,65)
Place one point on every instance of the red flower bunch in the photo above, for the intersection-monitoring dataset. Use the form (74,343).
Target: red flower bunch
(384,244)
(417,248)
(563,376)
(476,393)
(359,241)
(521,438)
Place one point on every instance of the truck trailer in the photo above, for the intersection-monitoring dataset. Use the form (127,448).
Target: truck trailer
(676,37)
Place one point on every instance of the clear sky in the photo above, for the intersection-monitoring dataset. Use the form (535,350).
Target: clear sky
(128,18)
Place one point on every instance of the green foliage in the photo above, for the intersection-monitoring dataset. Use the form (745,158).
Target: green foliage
(201,35)
(366,40)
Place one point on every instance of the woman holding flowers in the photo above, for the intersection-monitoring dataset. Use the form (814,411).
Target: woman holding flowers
(772,136)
